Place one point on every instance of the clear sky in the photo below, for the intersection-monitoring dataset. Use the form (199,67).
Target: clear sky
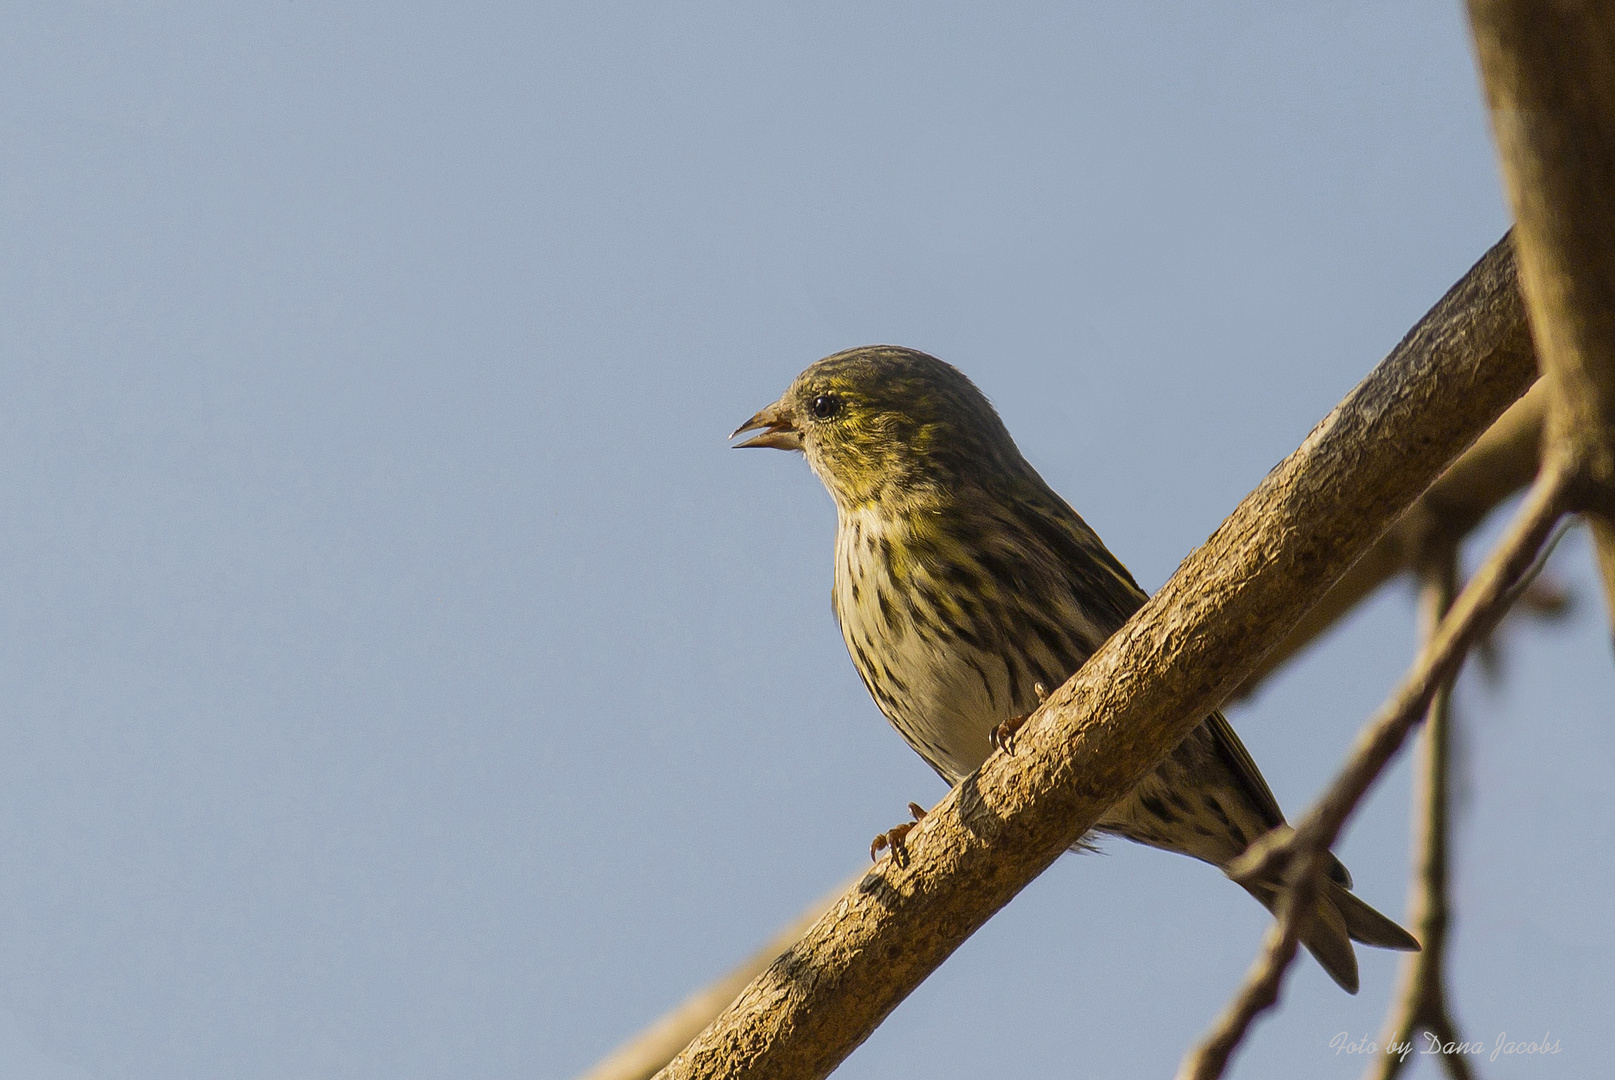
(400,677)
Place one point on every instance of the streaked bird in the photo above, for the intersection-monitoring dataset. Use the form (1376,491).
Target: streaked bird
(964,586)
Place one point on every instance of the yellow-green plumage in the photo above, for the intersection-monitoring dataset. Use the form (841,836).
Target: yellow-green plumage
(962,582)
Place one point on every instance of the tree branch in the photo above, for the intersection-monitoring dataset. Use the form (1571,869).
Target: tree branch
(1476,610)
(1549,72)
(1153,681)
(1421,998)
(1501,462)
(1260,990)
(1299,854)
(640,1057)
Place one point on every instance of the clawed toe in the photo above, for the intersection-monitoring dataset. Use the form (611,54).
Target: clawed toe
(1003,736)
(893,840)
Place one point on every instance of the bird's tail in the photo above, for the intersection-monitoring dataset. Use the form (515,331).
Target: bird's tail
(1337,919)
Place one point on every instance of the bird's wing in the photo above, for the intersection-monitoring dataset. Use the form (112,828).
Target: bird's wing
(1244,768)
(1096,577)
(1250,777)
(1099,577)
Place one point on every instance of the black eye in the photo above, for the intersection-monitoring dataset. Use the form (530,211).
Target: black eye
(825,406)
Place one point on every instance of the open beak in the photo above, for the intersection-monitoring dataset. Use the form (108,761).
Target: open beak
(779,429)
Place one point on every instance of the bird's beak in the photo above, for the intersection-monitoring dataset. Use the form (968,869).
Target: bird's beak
(779,429)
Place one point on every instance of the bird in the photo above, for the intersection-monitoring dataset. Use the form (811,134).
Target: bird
(966,588)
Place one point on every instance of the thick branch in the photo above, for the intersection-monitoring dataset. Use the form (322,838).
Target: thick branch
(1228,604)
(1501,462)
(1549,71)
(641,1056)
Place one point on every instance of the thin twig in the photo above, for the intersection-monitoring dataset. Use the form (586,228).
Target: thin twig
(1299,854)
(1518,590)
(1477,608)
(1421,998)
(1260,990)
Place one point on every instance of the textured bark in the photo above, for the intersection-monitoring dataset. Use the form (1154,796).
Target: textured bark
(641,1056)
(1501,462)
(1194,642)
(1549,71)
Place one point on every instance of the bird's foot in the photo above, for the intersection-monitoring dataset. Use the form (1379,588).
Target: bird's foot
(1003,736)
(894,839)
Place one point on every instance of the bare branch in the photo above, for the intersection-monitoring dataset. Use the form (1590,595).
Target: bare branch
(1260,990)
(1300,853)
(641,1056)
(1228,604)
(1549,71)
(1477,608)
(1501,462)
(1420,1003)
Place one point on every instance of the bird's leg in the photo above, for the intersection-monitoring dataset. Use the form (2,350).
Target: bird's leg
(894,838)
(1003,736)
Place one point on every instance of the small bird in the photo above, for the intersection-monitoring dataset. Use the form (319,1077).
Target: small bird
(966,588)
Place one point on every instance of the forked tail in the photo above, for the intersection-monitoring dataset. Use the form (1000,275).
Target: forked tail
(1339,918)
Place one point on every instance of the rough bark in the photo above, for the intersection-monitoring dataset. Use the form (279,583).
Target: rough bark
(1501,462)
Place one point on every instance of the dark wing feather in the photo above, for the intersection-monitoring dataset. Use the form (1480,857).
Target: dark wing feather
(1108,592)
(1096,573)
(1239,762)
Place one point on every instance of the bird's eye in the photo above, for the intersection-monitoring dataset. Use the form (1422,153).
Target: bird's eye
(825,406)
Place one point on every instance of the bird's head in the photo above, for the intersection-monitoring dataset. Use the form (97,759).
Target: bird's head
(884,422)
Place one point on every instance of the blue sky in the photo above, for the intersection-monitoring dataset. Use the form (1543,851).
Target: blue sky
(400,677)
